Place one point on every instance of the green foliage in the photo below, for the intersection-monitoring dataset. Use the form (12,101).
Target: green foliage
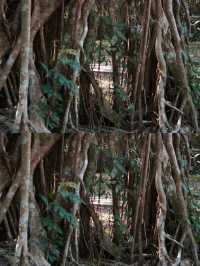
(124,102)
(195,219)
(121,94)
(53,243)
(55,209)
(116,32)
(74,64)
(194,205)
(113,171)
(51,106)
(123,228)
(195,84)
(69,195)
(59,79)
(50,225)
(52,248)
(117,174)
(113,39)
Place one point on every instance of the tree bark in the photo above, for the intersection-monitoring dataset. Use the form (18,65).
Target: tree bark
(25,172)
(22,109)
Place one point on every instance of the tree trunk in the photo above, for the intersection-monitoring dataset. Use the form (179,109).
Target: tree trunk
(22,111)
(25,172)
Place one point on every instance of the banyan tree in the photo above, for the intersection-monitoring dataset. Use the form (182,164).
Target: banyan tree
(53,53)
(99,144)
(53,202)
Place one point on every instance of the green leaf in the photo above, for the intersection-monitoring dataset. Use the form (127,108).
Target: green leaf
(63,214)
(114,172)
(44,200)
(48,71)
(131,108)
(121,35)
(74,198)
(51,225)
(121,94)
(74,64)
(47,89)
(45,67)
(120,167)
(61,79)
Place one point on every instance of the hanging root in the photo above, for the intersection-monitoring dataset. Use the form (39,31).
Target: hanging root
(180,201)
(162,204)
